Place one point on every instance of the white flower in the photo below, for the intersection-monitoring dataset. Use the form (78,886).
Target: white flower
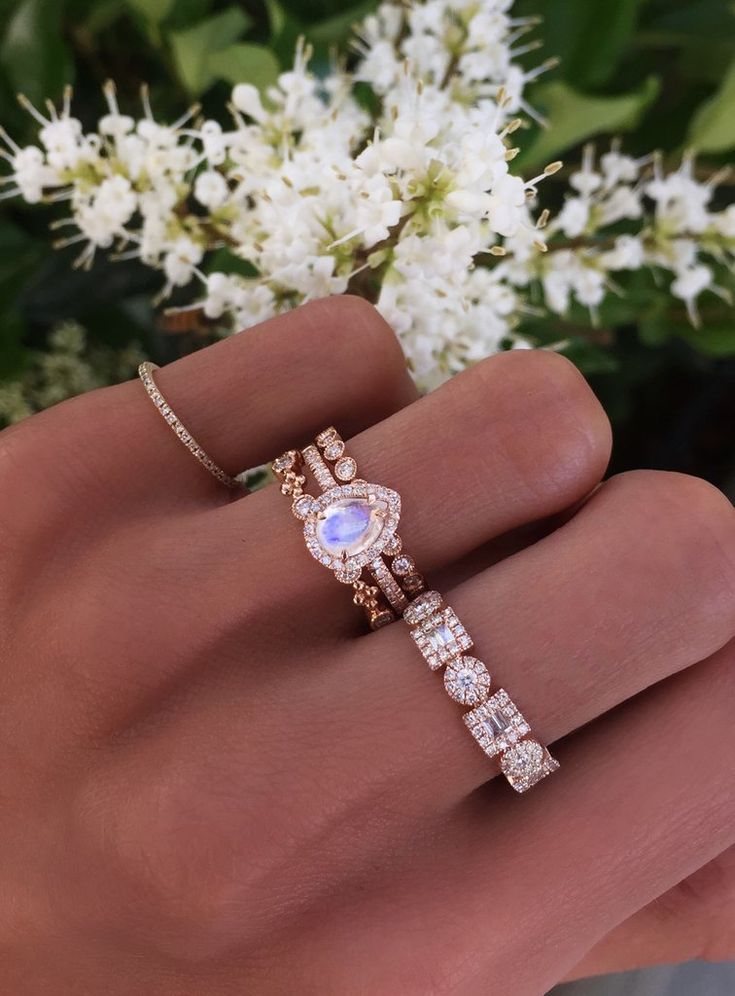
(181,261)
(618,168)
(246,99)
(414,195)
(628,254)
(681,201)
(31,174)
(211,189)
(574,217)
(104,215)
(377,210)
(689,284)
(506,206)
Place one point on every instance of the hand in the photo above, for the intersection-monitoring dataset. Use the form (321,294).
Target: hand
(211,781)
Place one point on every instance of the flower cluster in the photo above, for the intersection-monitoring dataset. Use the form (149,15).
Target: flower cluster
(623,214)
(408,198)
(69,367)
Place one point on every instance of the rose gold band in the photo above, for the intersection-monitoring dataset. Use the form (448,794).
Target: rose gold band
(145,372)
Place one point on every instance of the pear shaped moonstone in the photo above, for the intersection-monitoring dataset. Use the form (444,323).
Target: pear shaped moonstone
(350,526)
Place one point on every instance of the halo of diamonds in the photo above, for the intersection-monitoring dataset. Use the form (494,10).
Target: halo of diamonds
(351,567)
(394,579)
(467,680)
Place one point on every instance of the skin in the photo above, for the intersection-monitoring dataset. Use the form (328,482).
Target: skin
(213,780)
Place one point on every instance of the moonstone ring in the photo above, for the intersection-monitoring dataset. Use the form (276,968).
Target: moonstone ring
(352,529)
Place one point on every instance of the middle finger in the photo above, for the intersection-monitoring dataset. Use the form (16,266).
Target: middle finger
(516,439)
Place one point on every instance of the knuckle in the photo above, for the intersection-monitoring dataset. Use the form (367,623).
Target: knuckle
(686,505)
(28,459)
(358,337)
(695,522)
(550,423)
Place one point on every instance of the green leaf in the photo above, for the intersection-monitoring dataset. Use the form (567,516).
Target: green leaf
(589,36)
(33,38)
(588,357)
(337,29)
(713,127)
(712,340)
(276,17)
(574,117)
(678,23)
(12,353)
(243,63)
(194,48)
(152,10)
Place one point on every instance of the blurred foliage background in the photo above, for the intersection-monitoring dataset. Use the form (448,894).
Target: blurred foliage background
(660,73)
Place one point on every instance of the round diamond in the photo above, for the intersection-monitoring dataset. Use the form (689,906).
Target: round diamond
(467,681)
(394,547)
(381,619)
(526,763)
(348,573)
(403,565)
(334,450)
(422,607)
(413,583)
(350,526)
(303,506)
(345,469)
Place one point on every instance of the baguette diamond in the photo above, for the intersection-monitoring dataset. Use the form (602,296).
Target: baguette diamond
(441,638)
(497,724)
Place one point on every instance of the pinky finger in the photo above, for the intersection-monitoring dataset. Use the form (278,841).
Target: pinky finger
(693,921)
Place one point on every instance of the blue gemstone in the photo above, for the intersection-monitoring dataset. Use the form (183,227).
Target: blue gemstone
(350,526)
(346,524)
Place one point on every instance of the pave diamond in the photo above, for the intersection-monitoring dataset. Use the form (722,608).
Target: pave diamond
(388,584)
(441,638)
(527,763)
(467,681)
(348,574)
(422,607)
(497,724)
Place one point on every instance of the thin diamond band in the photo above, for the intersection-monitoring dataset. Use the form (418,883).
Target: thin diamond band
(351,528)
(145,372)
